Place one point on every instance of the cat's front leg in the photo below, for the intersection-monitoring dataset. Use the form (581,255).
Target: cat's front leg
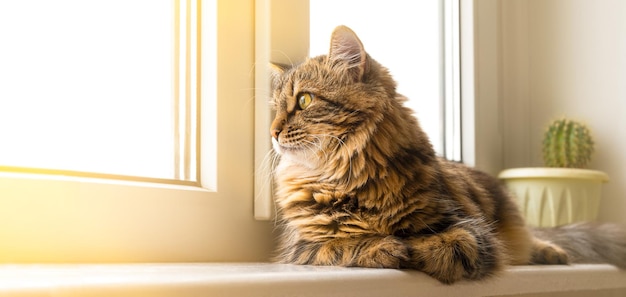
(457,253)
(364,251)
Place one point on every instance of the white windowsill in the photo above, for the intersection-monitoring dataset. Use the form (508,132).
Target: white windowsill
(261,279)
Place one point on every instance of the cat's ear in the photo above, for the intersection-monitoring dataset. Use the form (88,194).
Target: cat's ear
(346,46)
(276,71)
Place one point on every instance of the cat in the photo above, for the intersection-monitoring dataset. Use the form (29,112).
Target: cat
(358,183)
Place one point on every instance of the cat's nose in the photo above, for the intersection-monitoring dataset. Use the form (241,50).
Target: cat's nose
(275,132)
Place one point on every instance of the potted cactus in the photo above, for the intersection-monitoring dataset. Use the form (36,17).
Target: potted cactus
(563,192)
(567,144)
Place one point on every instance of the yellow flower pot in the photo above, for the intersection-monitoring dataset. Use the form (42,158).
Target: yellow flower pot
(551,197)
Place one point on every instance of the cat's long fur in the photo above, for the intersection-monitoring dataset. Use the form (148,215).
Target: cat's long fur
(358,184)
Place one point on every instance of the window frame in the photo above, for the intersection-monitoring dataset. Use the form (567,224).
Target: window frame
(278,40)
(480,85)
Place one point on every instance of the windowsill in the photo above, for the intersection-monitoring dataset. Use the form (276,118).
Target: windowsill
(262,279)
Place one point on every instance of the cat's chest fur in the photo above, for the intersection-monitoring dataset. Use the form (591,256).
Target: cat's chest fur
(316,209)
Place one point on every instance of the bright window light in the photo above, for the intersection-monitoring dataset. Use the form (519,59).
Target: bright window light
(88,86)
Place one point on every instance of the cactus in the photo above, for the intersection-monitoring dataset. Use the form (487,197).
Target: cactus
(567,144)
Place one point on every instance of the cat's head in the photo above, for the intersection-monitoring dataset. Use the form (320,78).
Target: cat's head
(330,104)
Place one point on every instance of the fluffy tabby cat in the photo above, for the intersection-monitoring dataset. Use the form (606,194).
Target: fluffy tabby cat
(358,183)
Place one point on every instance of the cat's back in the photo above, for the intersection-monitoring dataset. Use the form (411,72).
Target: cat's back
(478,191)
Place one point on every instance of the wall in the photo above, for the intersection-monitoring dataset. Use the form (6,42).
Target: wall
(565,58)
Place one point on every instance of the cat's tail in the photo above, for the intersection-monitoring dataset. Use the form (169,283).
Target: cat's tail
(589,242)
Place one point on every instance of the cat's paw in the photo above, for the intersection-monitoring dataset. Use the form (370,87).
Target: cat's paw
(455,255)
(388,252)
(548,253)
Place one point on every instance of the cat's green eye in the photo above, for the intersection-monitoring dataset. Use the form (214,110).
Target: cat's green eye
(304,100)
